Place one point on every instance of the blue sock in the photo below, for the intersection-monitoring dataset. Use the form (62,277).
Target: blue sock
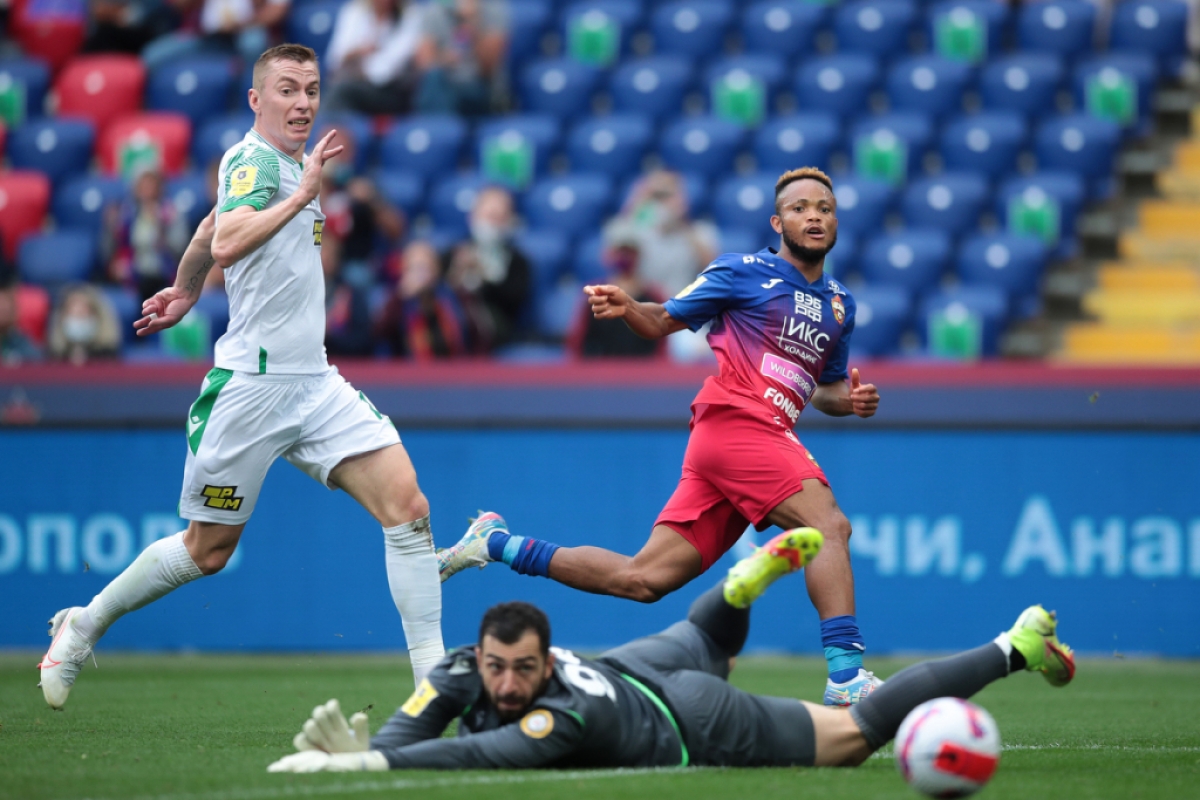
(522,554)
(843,647)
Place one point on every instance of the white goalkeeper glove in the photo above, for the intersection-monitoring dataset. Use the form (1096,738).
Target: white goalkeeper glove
(328,730)
(319,761)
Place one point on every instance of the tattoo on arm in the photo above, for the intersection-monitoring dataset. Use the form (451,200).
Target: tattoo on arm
(197,280)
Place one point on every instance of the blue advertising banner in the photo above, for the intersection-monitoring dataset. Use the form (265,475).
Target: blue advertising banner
(955,533)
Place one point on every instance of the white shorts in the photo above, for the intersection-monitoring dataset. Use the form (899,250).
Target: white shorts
(242,422)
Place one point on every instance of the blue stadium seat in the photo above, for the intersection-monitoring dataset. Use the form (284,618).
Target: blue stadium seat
(747,202)
(573,203)
(912,128)
(986,303)
(914,258)
(739,240)
(215,306)
(33,76)
(879,27)
(796,140)
(54,259)
(1023,82)
(769,68)
(882,317)
(190,193)
(405,190)
(558,309)
(61,148)
(701,144)
(199,87)
(1063,27)
(930,84)
(787,28)
(547,251)
(542,131)
(951,202)
(1063,191)
(424,145)
(586,262)
(1154,27)
(654,85)
(843,259)
(987,142)
(1013,263)
(837,84)
(81,201)
(1140,68)
(613,145)
(351,127)
(127,306)
(695,186)
(312,24)
(450,200)
(994,15)
(218,134)
(528,21)
(627,14)
(559,86)
(861,204)
(693,28)
(1082,144)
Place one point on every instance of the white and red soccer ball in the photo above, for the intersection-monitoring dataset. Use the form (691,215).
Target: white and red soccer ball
(947,747)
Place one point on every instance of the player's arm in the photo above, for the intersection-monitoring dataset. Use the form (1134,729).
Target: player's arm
(647,320)
(170,305)
(845,397)
(423,716)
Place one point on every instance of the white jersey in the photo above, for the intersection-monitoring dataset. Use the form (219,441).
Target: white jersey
(277,292)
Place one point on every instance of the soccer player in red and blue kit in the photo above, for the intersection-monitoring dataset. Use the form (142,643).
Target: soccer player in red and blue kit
(781,331)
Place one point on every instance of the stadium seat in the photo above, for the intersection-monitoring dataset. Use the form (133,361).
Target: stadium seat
(312,24)
(424,145)
(1013,263)
(1139,71)
(945,17)
(1082,144)
(843,258)
(199,87)
(127,306)
(746,202)
(1045,205)
(769,68)
(528,21)
(214,304)
(861,204)
(353,128)
(190,192)
(586,262)
(627,15)
(450,200)
(836,84)
(1023,82)
(1063,27)
(559,86)
(33,311)
(695,187)
(51,32)
(880,319)
(58,147)
(33,76)
(950,202)
(787,28)
(81,201)
(654,85)
(988,142)
(171,133)
(914,258)
(796,140)
(737,240)
(405,190)
(558,309)
(573,203)
(930,84)
(24,199)
(693,28)
(1155,27)
(540,131)
(613,145)
(548,251)
(218,134)
(878,27)
(100,88)
(911,128)
(701,144)
(54,259)
(987,304)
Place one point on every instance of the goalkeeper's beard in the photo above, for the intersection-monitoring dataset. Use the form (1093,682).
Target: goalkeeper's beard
(522,703)
(807,255)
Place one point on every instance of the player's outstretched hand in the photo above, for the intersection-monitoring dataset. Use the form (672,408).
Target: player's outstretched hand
(864,397)
(607,301)
(163,310)
(310,178)
(328,730)
(317,761)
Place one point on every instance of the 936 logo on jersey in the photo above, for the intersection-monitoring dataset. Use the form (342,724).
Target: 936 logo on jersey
(221,498)
(809,306)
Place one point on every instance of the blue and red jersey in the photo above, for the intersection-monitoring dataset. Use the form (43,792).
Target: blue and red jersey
(776,336)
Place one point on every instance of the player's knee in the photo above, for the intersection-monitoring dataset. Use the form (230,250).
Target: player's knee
(403,507)
(837,530)
(212,561)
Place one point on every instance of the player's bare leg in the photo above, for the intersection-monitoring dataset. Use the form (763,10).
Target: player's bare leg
(384,482)
(211,544)
(840,742)
(666,562)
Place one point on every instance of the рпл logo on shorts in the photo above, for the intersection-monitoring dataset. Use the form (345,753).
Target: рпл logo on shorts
(221,497)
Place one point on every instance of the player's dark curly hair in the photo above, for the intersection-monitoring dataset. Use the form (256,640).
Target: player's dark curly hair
(508,622)
(281,52)
(791,176)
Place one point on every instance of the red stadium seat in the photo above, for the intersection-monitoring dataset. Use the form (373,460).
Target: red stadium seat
(33,310)
(101,88)
(53,32)
(24,198)
(171,132)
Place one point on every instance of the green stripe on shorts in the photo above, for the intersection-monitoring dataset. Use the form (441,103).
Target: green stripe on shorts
(262,361)
(200,411)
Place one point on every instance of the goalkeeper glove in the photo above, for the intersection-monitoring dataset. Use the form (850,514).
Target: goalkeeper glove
(318,761)
(328,730)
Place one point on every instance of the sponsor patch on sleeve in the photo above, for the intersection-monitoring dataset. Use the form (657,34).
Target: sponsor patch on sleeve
(241,182)
(420,700)
(537,724)
(691,288)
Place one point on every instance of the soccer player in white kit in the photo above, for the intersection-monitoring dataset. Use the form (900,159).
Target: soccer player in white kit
(271,393)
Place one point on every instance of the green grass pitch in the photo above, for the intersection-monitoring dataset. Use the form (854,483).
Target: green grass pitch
(205,728)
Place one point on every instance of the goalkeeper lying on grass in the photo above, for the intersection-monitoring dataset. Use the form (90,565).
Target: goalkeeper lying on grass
(658,701)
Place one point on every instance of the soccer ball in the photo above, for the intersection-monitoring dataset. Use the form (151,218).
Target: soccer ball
(947,747)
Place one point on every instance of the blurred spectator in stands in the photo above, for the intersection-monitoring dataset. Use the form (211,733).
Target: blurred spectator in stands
(371,56)
(216,277)
(422,319)
(144,237)
(360,225)
(127,26)
(672,247)
(242,27)
(84,326)
(594,338)
(461,56)
(15,346)
(491,276)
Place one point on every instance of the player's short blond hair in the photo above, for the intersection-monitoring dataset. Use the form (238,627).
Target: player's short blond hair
(793,175)
(281,52)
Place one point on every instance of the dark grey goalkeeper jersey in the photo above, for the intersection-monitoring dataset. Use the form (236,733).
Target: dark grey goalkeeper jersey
(592,714)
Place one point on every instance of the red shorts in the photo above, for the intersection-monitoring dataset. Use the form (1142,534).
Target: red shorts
(740,464)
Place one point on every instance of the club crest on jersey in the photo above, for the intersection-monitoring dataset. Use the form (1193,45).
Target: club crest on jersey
(241,182)
(537,724)
(318,229)
(839,309)
(808,305)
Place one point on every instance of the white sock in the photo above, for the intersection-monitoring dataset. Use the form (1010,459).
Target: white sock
(417,591)
(1004,642)
(160,569)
